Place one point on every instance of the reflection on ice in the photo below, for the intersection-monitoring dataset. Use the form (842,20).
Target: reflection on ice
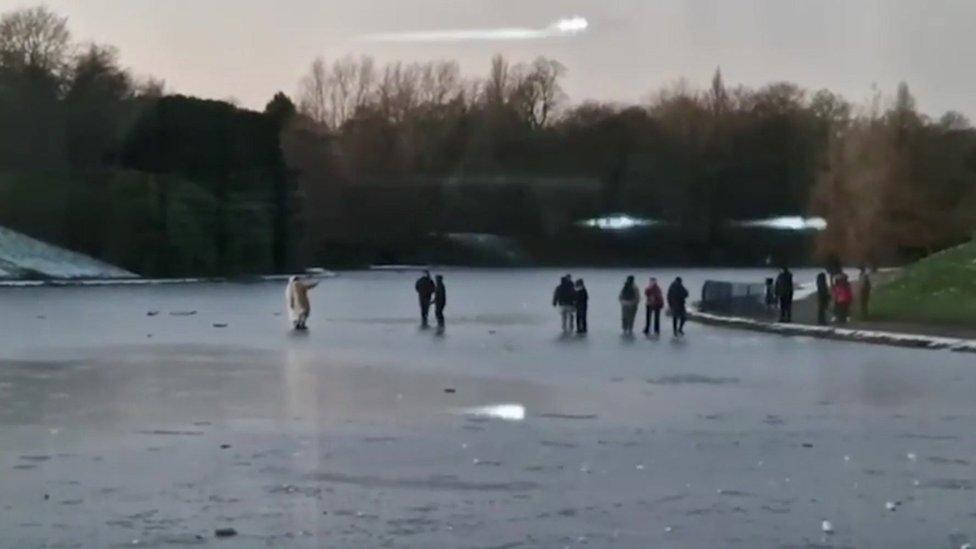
(507,412)
(617,222)
(787,223)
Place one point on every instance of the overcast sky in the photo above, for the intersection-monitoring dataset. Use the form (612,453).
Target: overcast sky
(248,49)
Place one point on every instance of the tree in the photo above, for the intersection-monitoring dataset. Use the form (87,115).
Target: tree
(314,94)
(96,105)
(718,98)
(539,91)
(34,39)
(280,109)
(497,87)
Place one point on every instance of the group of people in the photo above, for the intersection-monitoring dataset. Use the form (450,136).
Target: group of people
(834,293)
(572,300)
(431,292)
(838,291)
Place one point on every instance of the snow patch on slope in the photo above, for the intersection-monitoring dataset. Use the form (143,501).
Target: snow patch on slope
(23,257)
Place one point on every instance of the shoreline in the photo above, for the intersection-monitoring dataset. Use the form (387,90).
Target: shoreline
(891,339)
(68,282)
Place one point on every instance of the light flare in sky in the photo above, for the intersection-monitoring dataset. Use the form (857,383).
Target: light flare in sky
(567,26)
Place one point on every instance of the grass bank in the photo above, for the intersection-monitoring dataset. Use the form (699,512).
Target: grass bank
(940,289)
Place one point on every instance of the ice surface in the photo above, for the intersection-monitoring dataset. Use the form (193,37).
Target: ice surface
(345,437)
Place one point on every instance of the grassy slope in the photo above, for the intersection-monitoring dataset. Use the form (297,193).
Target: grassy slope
(938,289)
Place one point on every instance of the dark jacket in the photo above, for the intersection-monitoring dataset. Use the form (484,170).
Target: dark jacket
(425,287)
(440,295)
(677,294)
(582,297)
(823,290)
(565,294)
(784,285)
(629,293)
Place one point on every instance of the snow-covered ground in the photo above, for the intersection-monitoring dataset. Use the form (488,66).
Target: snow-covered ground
(154,415)
(24,257)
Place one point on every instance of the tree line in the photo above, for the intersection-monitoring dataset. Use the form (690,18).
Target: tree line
(100,161)
(373,163)
(892,183)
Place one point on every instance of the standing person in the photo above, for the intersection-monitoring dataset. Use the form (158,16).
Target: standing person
(823,298)
(440,300)
(582,302)
(864,291)
(565,299)
(425,289)
(770,295)
(629,300)
(297,303)
(654,301)
(784,292)
(843,296)
(677,295)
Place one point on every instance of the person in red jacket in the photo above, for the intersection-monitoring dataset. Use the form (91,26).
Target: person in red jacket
(654,299)
(843,296)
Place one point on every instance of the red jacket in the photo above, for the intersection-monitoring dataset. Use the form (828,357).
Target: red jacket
(842,293)
(654,297)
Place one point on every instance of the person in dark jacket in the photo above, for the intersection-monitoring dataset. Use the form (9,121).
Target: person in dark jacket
(440,300)
(654,301)
(784,292)
(582,303)
(677,295)
(425,289)
(864,292)
(629,300)
(565,299)
(823,298)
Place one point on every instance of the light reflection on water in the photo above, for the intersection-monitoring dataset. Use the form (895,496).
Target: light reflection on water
(506,412)
(786,223)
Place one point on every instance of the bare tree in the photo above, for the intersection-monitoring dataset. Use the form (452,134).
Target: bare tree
(545,91)
(313,95)
(330,96)
(365,83)
(150,87)
(440,83)
(34,38)
(342,82)
(718,97)
(498,85)
(398,90)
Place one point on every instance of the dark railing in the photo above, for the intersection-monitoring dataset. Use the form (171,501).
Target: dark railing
(733,298)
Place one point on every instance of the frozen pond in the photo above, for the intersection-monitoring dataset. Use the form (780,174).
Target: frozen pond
(121,428)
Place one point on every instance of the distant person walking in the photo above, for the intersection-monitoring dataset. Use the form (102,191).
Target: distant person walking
(784,293)
(440,300)
(770,295)
(564,298)
(864,292)
(677,295)
(654,302)
(425,289)
(823,298)
(629,300)
(843,296)
(582,303)
(297,303)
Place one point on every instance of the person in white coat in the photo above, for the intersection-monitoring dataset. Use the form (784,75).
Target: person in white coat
(297,303)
